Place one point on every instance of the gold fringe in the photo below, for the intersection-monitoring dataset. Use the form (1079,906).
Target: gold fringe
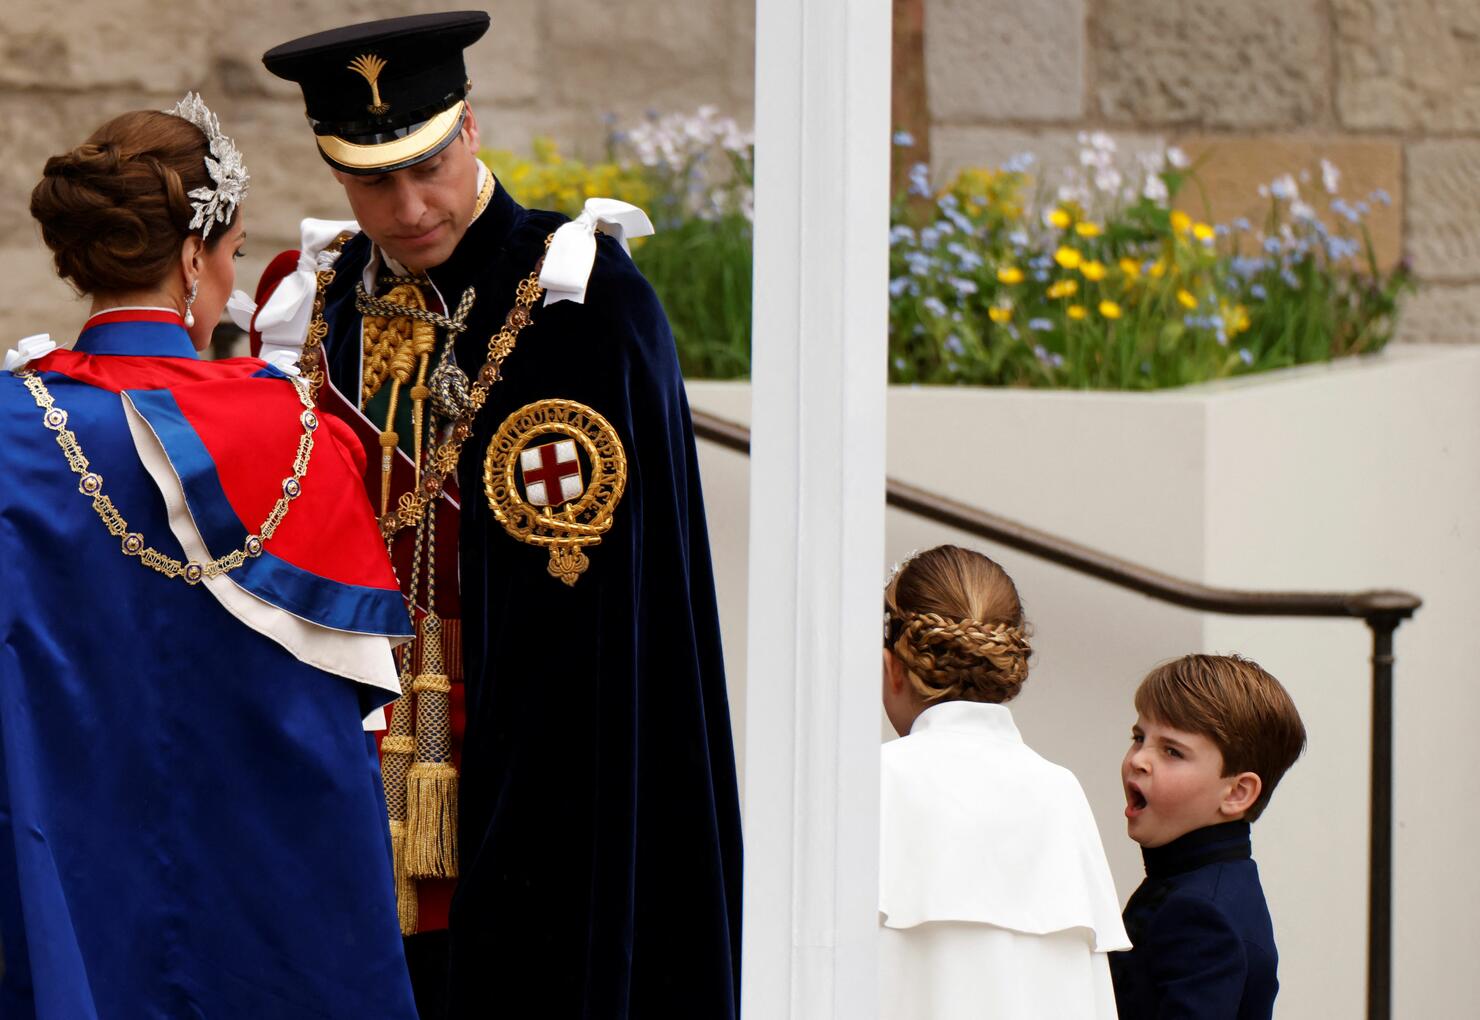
(431,822)
(406,904)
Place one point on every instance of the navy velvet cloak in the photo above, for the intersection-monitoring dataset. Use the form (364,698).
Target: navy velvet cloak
(600,829)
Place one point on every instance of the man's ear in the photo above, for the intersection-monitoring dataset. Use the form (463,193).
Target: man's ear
(470,129)
(1243,791)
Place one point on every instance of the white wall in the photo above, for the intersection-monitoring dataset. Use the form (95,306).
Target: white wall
(1323,478)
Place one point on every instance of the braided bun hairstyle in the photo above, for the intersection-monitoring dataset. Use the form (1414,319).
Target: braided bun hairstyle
(955,619)
(115,210)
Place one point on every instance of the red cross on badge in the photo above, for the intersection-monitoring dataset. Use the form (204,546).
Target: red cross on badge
(552,473)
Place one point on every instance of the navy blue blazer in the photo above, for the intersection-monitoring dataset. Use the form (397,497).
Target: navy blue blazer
(1203,942)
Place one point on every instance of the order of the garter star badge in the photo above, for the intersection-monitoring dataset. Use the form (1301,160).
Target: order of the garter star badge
(537,490)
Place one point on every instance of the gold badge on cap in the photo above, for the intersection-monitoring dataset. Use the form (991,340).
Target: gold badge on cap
(537,490)
(369,66)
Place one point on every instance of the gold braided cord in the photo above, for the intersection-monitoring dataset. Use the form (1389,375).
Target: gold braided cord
(90,485)
(388,307)
(412,506)
(311,364)
(956,657)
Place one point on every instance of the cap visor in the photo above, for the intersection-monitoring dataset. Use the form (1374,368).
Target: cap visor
(423,143)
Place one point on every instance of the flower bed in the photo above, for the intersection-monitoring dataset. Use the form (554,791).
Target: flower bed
(1103,281)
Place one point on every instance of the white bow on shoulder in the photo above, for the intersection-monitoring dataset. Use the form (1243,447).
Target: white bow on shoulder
(28,350)
(572,253)
(283,317)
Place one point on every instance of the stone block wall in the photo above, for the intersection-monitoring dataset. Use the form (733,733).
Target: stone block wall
(546,67)
(1389,90)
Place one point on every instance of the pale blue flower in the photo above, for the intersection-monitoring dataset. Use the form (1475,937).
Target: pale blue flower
(900,233)
(1272,245)
(954,344)
(1019,163)
(900,286)
(935,306)
(1246,355)
(920,180)
(1040,325)
(1381,197)
(1242,225)
(965,288)
(1258,292)
(904,139)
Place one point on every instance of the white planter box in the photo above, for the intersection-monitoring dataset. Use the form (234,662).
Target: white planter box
(1356,475)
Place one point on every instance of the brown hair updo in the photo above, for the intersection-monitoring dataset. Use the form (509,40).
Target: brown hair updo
(115,210)
(955,619)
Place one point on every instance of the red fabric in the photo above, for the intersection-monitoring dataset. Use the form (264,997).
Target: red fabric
(282,264)
(252,464)
(252,468)
(118,372)
(163,315)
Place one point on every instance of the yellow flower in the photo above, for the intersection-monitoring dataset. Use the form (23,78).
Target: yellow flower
(1088,229)
(1181,222)
(1109,309)
(1093,271)
(1240,319)
(1000,313)
(1059,219)
(1158,269)
(1203,232)
(1063,288)
(1067,257)
(1077,312)
(1009,275)
(1131,268)
(1186,299)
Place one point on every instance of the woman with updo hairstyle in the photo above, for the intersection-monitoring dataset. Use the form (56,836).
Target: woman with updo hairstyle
(995,898)
(197,618)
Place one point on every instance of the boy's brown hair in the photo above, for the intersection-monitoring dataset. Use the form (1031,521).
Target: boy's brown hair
(1237,705)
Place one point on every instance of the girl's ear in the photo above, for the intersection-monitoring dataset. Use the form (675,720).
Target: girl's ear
(894,671)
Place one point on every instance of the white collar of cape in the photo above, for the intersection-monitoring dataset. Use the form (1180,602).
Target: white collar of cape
(1025,855)
(283,318)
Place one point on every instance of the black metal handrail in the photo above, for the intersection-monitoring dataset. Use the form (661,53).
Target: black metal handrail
(1383,611)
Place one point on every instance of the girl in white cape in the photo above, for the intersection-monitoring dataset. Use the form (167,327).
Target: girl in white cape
(995,899)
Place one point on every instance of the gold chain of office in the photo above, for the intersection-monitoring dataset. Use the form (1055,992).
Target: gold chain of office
(90,485)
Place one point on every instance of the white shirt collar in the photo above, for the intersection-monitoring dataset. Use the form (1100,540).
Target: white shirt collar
(968,716)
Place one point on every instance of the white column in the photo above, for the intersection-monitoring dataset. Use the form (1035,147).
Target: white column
(817,509)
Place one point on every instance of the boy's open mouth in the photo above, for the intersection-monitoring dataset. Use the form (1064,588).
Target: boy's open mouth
(1135,800)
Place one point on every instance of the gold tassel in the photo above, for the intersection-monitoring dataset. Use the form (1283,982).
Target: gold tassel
(407,910)
(431,785)
(397,749)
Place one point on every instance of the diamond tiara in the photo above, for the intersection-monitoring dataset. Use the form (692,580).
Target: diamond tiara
(224,164)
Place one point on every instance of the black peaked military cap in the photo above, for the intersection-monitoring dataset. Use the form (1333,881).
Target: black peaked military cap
(384,94)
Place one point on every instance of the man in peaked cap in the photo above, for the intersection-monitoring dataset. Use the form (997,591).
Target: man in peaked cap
(517,364)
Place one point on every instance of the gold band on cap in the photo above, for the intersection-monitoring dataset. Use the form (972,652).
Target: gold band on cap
(395,153)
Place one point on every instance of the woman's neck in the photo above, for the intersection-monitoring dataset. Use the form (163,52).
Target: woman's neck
(136,299)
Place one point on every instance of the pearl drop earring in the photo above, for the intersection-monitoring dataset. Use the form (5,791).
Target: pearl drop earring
(190,315)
